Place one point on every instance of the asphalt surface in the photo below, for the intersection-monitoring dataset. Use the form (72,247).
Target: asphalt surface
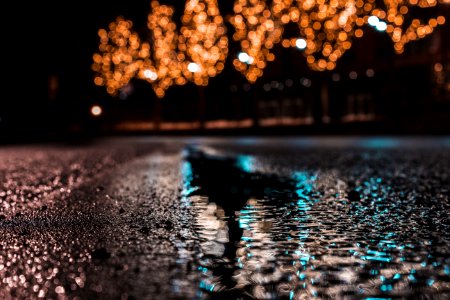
(226,218)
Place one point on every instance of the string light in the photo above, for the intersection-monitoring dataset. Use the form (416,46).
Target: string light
(166,59)
(199,50)
(258,32)
(327,27)
(204,40)
(119,57)
(196,54)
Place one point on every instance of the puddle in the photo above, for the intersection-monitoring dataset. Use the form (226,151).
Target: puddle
(313,233)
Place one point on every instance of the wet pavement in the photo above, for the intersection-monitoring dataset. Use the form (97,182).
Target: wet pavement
(247,218)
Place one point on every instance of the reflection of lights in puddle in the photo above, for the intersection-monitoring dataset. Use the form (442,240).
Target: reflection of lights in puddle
(211,226)
(301,239)
(246,163)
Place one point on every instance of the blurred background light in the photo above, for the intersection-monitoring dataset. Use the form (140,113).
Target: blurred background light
(245,58)
(149,74)
(373,21)
(168,48)
(96,110)
(193,67)
(370,72)
(301,44)
(381,26)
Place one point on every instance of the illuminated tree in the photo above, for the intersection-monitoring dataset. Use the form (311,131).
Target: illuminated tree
(324,25)
(204,40)
(196,54)
(258,32)
(168,61)
(120,57)
(395,14)
(326,28)
(199,50)
(329,26)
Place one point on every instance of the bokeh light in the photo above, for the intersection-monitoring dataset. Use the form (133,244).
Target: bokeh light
(195,54)
(199,49)
(96,110)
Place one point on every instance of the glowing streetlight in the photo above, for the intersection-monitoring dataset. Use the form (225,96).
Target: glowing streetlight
(96,110)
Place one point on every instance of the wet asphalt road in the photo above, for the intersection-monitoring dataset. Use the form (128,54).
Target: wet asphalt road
(180,218)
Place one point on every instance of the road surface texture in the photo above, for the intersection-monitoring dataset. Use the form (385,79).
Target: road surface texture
(247,218)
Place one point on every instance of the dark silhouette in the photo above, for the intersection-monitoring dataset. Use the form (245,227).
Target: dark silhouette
(230,187)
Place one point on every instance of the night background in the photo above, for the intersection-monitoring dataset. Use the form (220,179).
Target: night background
(49,88)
